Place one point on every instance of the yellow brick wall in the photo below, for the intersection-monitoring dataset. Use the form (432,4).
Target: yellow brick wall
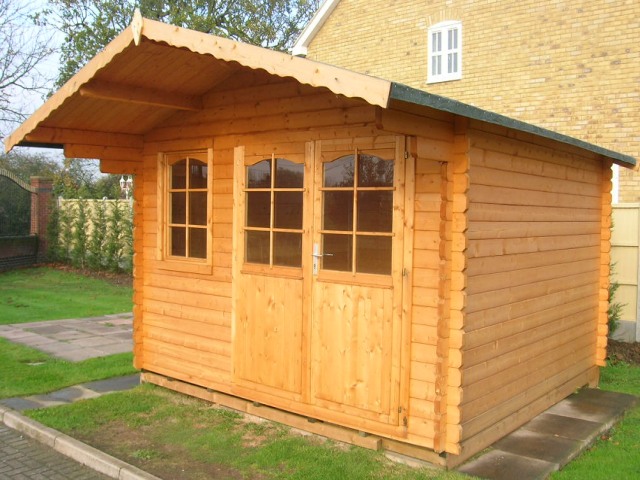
(571,66)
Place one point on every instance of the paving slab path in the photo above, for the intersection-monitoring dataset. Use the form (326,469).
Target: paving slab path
(75,339)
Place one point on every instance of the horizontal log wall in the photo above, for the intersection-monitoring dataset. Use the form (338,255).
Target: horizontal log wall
(533,281)
(186,331)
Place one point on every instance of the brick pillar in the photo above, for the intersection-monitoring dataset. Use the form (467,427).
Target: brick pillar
(40,211)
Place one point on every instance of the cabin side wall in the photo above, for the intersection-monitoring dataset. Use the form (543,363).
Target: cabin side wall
(537,266)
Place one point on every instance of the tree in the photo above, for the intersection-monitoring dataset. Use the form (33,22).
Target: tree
(88,25)
(21,52)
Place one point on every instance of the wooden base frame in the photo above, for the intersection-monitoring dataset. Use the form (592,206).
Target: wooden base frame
(334,432)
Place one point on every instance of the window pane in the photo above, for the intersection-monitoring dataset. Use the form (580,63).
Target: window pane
(375,211)
(198,208)
(178,207)
(259,209)
(289,174)
(338,211)
(436,42)
(374,171)
(287,249)
(339,173)
(198,242)
(257,247)
(197,174)
(178,174)
(288,210)
(373,255)
(259,175)
(337,250)
(178,241)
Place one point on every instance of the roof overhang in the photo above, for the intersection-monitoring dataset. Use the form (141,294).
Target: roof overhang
(131,87)
(129,79)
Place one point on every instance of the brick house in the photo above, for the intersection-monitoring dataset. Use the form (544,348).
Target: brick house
(570,66)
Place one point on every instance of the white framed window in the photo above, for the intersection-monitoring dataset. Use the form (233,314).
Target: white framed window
(445,52)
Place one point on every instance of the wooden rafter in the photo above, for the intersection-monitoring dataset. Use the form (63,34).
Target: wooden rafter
(68,136)
(143,96)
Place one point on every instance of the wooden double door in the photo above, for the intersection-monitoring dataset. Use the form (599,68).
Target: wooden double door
(318,266)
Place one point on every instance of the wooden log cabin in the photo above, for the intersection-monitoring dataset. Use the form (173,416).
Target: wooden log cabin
(342,253)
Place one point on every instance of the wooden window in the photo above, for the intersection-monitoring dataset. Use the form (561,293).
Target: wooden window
(273,212)
(357,214)
(184,200)
(445,52)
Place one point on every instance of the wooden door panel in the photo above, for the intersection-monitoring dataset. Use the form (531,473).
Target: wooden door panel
(351,348)
(268,336)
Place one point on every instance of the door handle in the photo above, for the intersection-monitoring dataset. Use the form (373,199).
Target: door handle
(316,256)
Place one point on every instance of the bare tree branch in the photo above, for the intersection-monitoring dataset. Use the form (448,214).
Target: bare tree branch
(22,50)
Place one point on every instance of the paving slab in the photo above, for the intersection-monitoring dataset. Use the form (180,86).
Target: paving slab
(543,446)
(561,426)
(552,439)
(116,384)
(75,339)
(499,465)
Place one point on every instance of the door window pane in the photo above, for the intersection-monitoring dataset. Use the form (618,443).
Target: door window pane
(257,247)
(374,171)
(375,211)
(337,213)
(258,209)
(339,172)
(179,175)
(372,198)
(274,212)
(197,174)
(373,254)
(337,251)
(288,210)
(287,249)
(289,174)
(259,175)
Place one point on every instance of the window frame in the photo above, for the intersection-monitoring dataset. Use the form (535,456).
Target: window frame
(242,161)
(176,262)
(443,29)
(355,233)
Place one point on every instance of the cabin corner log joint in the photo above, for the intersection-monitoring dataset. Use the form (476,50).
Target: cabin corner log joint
(340,247)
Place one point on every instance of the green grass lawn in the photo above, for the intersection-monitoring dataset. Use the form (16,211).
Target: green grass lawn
(25,371)
(37,294)
(156,429)
(163,431)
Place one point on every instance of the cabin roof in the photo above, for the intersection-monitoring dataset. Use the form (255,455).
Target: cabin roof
(152,70)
